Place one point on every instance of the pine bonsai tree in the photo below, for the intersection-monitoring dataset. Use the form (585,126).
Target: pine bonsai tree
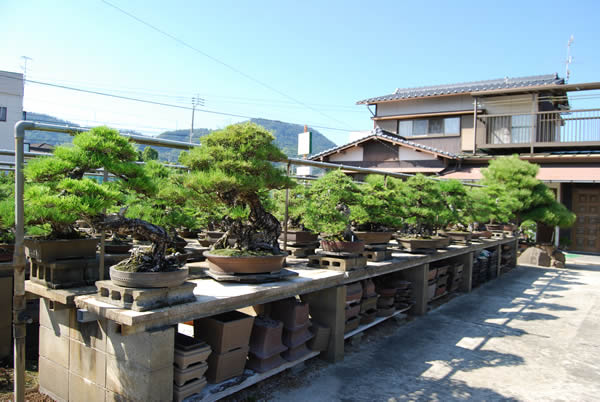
(456,203)
(513,183)
(422,202)
(234,167)
(297,204)
(58,194)
(378,209)
(330,201)
(7,209)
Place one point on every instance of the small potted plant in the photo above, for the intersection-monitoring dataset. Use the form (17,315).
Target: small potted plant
(331,198)
(234,169)
(421,199)
(297,232)
(378,212)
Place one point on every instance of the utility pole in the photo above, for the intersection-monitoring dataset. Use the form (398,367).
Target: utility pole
(569,59)
(196,101)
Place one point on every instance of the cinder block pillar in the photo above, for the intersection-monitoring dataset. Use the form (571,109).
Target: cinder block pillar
(327,307)
(418,277)
(467,279)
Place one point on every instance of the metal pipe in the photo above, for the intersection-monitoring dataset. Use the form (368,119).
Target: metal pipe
(19,301)
(286,217)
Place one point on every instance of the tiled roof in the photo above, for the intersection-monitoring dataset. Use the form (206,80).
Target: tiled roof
(467,87)
(378,133)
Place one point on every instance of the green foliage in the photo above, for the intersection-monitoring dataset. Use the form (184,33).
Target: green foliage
(521,196)
(149,154)
(422,202)
(297,204)
(378,208)
(330,202)
(57,193)
(529,229)
(7,208)
(168,206)
(480,205)
(457,204)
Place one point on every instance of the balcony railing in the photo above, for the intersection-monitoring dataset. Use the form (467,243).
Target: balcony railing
(556,128)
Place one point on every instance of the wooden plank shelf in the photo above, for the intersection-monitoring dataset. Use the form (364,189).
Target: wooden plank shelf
(375,322)
(214,392)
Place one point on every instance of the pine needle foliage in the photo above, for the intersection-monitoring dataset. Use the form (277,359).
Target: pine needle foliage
(378,209)
(234,168)
(330,202)
(422,202)
(7,208)
(457,204)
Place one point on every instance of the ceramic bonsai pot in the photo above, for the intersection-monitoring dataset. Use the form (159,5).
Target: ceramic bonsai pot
(442,242)
(352,311)
(354,292)
(293,339)
(300,237)
(148,279)
(321,337)
(374,237)
(418,243)
(266,338)
(117,248)
(292,312)
(494,227)
(245,264)
(459,237)
(6,252)
(337,246)
(225,332)
(51,250)
(484,234)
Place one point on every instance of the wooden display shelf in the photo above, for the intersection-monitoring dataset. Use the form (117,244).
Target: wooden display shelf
(214,392)
(377,320)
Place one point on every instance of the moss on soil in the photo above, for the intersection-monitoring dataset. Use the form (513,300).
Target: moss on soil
(231,252)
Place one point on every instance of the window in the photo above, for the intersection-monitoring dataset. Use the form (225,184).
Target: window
(435,126)
(2,113)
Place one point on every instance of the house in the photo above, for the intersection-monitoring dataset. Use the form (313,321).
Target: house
(11,109)
(454,130)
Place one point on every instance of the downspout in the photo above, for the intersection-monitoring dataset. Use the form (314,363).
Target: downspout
(20,319)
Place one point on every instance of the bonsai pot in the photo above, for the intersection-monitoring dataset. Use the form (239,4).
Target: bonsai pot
(374,237)
(459,237)
(338,246)
(117,248)
(494,227)
(292,312)
(51,250)
(509,227)
(148,279)
(417,243)
(188,233)
(442,242)
(300,237)
(485,234)
(245,264)
(6,252)
(265,339)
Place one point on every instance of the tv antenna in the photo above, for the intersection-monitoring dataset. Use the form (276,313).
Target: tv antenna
(569,59)
(196,101)
(24,65)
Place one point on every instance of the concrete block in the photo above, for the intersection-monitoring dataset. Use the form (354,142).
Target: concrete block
(83,390)
(87,362)
(5,341)
(53,347)
(53,379)
(150,349)
(6,294)
(90,333)
(134,383)
(57,321)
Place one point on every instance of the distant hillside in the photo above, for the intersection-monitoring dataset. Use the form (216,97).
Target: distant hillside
(286,138)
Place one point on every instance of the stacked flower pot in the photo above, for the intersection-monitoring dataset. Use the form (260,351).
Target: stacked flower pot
(404,295)
(354,293)
(190,364)
(441,280)
(493,264)
(431,282)
(455,274)
(368,303)
(60,264)
(228,334)
(386,303)
(295,318)
(300,244)
(475,276)
(266,345)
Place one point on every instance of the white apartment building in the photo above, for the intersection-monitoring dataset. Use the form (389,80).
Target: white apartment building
(11,108)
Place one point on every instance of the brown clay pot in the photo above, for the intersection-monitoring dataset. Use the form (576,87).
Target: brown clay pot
(6,252)
(368,317)
(368,288)
(352,311)
(374,237)
(321,337)
(245,265)
(337,246)
(354,292)
(51,250)
(297,353)
(459,237)
(300,237)
(417,243)
(265,340)
(148,279)
(225,332)
(292,312)
(494,226)
(264,365)
(293,339)
(387,292)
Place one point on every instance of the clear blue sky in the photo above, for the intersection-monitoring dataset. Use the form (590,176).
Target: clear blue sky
(324,54)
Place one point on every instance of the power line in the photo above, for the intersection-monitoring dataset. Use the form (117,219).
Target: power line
(158,103)
(229,66)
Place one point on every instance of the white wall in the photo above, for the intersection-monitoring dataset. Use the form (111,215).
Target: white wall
(426,105)
(11,97)
(406,154)
(351,154)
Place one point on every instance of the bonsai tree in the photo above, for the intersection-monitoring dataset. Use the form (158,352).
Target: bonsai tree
(58,194)
(456,204)
(234,168)
(513,183)
(422,203)
(297,204)
(378,209)
(328,210)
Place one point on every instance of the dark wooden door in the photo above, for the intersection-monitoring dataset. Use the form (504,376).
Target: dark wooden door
(586,204)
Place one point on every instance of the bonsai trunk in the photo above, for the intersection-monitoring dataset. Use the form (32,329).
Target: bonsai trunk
(348,235)
(155,260)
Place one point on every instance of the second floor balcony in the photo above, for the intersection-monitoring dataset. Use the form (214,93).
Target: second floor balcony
(556,129)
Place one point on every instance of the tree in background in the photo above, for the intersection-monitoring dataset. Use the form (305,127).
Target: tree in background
(297,204)
(422,203)
(234,168)
(457,205)
(513,184)
(378,208)
(148,154)
(7,208)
